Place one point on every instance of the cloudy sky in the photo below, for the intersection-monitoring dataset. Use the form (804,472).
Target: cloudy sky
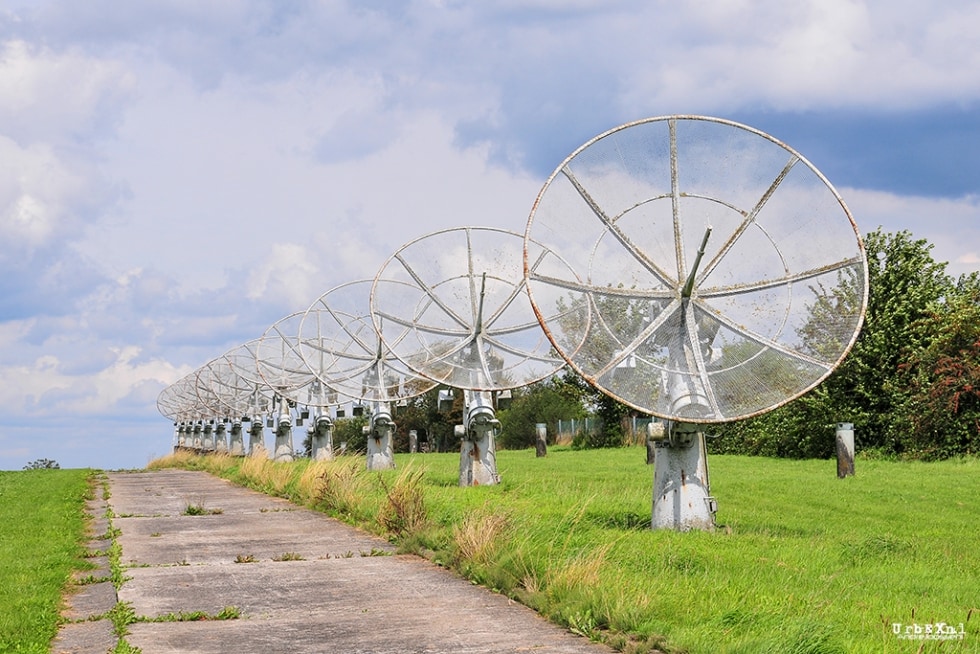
(177,175)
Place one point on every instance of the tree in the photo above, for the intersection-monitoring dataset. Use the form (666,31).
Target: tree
(546,401)
(906,285)
(423,414)
(42,464)
(351,431)
(940,382)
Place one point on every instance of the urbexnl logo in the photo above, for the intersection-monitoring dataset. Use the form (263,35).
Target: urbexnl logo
(928,631)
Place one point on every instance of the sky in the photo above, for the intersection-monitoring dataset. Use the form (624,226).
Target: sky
(177,175)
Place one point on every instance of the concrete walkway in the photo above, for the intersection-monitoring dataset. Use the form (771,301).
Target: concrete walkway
(301,582)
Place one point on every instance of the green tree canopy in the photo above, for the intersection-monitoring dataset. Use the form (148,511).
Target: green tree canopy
(42,464)
(546,402)
(914,310)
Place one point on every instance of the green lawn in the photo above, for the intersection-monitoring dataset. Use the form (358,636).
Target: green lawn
(41,531)
(802,562)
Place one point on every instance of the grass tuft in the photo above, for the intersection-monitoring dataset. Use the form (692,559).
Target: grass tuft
(403,509)
(478,536)
(289,556)
(200,509)
(344,484)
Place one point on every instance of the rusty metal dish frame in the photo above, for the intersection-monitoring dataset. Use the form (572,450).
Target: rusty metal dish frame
(719,274)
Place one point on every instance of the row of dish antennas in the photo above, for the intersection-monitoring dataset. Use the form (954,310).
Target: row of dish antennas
(696,269)
(448,309)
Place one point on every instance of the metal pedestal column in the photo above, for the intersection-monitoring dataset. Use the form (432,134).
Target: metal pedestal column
(681,495)
(221,438)
(321,439)
(237,442)
(284,439)
(380,451)
(256,439)
(478,449)
(197,442)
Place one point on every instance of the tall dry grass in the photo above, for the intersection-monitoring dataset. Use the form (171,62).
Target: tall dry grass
(344,486)
(178,459)
(309,486)
(403,509)
(479,535)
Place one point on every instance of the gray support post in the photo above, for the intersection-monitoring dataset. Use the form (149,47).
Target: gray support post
(321,439)
(845,450)
(207,439)
(284,439)
(256,438)
(478,449)
(413,441)
(197,442)
(237,443)
(681,497)
(541,439)
(379,433)
(181,437)
(221,438)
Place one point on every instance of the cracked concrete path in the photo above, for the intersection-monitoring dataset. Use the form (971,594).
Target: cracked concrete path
(301,581)
(87,628)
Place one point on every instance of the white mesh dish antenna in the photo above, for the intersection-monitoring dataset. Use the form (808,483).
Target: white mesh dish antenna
(234,391)
(452,306)
(337,328)
(243,362)
(179,401)
(208,391)
(279,362)
(719,274)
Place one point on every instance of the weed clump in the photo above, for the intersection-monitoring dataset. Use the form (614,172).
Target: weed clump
(342,486)
(478,536)
(289,556)
(403,509)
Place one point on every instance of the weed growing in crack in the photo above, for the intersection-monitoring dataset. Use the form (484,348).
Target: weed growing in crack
(288,556)
(227,613)
(199,509)
(375,552)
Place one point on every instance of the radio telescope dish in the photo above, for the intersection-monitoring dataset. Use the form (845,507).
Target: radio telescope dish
(458,300)
(178,401)
(243,362)
(338,327)
(279,362)
(233,390)
(721,273)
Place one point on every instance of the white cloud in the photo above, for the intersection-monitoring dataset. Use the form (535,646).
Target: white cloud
(45,387)
(804,55)
(289,274)
(57,96)
(38,196)
(951,225)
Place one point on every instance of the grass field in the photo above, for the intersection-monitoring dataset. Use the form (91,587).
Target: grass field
(802,562)
(41,530)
